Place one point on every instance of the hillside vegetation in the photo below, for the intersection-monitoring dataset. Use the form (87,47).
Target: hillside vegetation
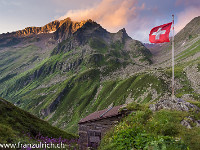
(19,126)
(161,130)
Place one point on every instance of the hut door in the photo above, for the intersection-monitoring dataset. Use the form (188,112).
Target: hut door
(94,138)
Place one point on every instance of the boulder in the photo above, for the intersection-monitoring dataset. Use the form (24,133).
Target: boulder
(186,124)
(174,104)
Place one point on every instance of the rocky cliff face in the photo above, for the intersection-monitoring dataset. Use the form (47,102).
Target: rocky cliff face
(67,28)
(61,26)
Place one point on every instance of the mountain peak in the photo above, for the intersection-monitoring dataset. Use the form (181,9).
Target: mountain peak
(123,34)
(67,27)
(90,24)
(123,30)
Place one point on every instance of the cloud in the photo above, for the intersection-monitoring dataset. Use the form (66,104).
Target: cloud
(187,2)
(9,3)
(138,17)
(111,14)
(186,16)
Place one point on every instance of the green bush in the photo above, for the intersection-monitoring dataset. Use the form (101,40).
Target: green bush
(165,122)
(137,138)
(143,129)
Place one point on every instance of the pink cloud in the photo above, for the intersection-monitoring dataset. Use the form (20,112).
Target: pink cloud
(111,14)
(185,17)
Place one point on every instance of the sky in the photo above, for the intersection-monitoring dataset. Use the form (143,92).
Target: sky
(136,16)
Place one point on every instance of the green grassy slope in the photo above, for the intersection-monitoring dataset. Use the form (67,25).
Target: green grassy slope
(12,60)
(17,124)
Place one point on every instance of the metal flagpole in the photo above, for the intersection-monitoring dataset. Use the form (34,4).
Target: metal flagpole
(173,57)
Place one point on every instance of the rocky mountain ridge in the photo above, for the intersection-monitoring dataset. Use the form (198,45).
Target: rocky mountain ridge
(48,28)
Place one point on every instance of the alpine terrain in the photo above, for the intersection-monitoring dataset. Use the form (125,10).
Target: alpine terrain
(65,70)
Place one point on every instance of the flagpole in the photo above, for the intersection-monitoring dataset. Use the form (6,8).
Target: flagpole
(173,57)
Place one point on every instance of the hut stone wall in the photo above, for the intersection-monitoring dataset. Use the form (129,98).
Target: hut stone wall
(91,132)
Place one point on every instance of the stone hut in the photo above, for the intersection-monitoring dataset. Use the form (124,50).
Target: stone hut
(93,127)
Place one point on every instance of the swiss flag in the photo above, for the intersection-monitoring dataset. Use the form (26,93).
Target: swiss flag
(160,34)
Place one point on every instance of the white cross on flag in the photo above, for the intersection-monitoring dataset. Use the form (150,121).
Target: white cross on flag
(160,34)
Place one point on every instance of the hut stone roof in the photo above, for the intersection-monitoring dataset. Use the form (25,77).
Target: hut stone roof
(106,113)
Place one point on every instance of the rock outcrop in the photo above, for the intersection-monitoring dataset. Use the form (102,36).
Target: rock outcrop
(190,122)
(179,105)
(176,104)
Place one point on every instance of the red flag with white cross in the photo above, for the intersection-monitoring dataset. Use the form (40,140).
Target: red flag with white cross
(160,34)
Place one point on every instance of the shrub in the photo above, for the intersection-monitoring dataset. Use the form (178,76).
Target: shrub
(143,129)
